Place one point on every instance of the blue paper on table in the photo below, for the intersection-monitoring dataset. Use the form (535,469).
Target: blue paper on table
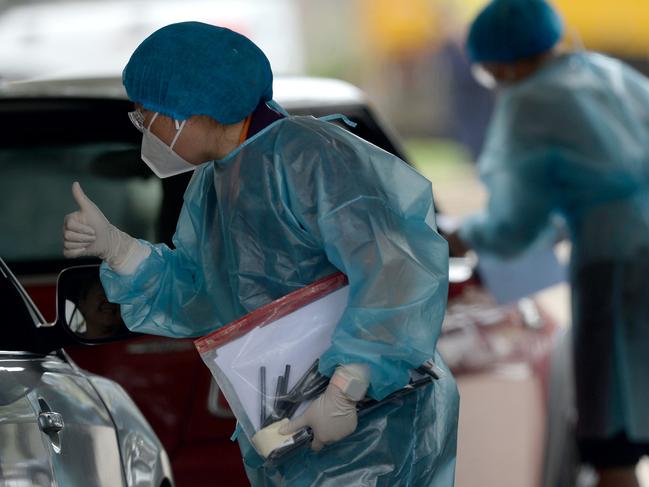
(509,280)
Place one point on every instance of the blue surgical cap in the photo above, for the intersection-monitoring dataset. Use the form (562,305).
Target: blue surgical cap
(191,68)
(511,30)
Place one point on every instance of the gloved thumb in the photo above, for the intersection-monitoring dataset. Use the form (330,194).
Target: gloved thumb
(80,197)
(293,426)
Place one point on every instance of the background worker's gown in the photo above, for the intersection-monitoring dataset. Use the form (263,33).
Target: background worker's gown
(301,200)
(573,139)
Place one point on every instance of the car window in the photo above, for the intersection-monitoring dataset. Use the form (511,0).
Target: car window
(23,329)
(12,306)
(17,322)
(93,142)
(35,194)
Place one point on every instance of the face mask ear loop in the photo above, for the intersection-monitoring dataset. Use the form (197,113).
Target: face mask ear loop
(180,129)
(155,115)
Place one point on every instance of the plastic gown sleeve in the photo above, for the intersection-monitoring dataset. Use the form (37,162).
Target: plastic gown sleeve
(516,215)
(375,219)
(166,295)
(516,168)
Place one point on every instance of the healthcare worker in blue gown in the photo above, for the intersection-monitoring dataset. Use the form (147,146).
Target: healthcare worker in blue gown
(275,203)
(570,137)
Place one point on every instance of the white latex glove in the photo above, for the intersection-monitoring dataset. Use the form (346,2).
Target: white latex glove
(332,416)
(87,232)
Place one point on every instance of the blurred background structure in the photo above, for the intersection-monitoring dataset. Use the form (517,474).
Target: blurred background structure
(407,55)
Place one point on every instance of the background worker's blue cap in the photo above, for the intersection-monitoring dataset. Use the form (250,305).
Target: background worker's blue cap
(511,30)
(191,68)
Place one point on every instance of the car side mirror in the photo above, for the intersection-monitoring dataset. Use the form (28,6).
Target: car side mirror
(83,310)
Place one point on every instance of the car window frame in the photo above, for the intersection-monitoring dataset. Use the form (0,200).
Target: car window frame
(38,321)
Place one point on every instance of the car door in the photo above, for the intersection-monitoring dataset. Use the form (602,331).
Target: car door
(54,428)
(25,458)
(75,426)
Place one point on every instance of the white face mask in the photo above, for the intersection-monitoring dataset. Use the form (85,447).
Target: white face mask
(489,81)
(484,77)
(160,157)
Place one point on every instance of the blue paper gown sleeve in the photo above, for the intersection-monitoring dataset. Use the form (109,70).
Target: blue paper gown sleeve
(374,217)
(167,293)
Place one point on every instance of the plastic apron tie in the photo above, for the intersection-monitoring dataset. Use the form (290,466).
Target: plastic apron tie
(236,432)
(338,116)
(277,107)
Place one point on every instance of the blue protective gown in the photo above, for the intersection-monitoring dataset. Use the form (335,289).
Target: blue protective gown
(573,139)
(301,200)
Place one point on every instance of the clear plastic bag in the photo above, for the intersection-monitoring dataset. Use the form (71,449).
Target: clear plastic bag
(266,363)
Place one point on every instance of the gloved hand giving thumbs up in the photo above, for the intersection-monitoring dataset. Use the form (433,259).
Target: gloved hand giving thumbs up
(87,232)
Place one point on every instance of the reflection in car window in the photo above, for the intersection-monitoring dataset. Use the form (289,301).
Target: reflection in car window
(89,314)
(35,194)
